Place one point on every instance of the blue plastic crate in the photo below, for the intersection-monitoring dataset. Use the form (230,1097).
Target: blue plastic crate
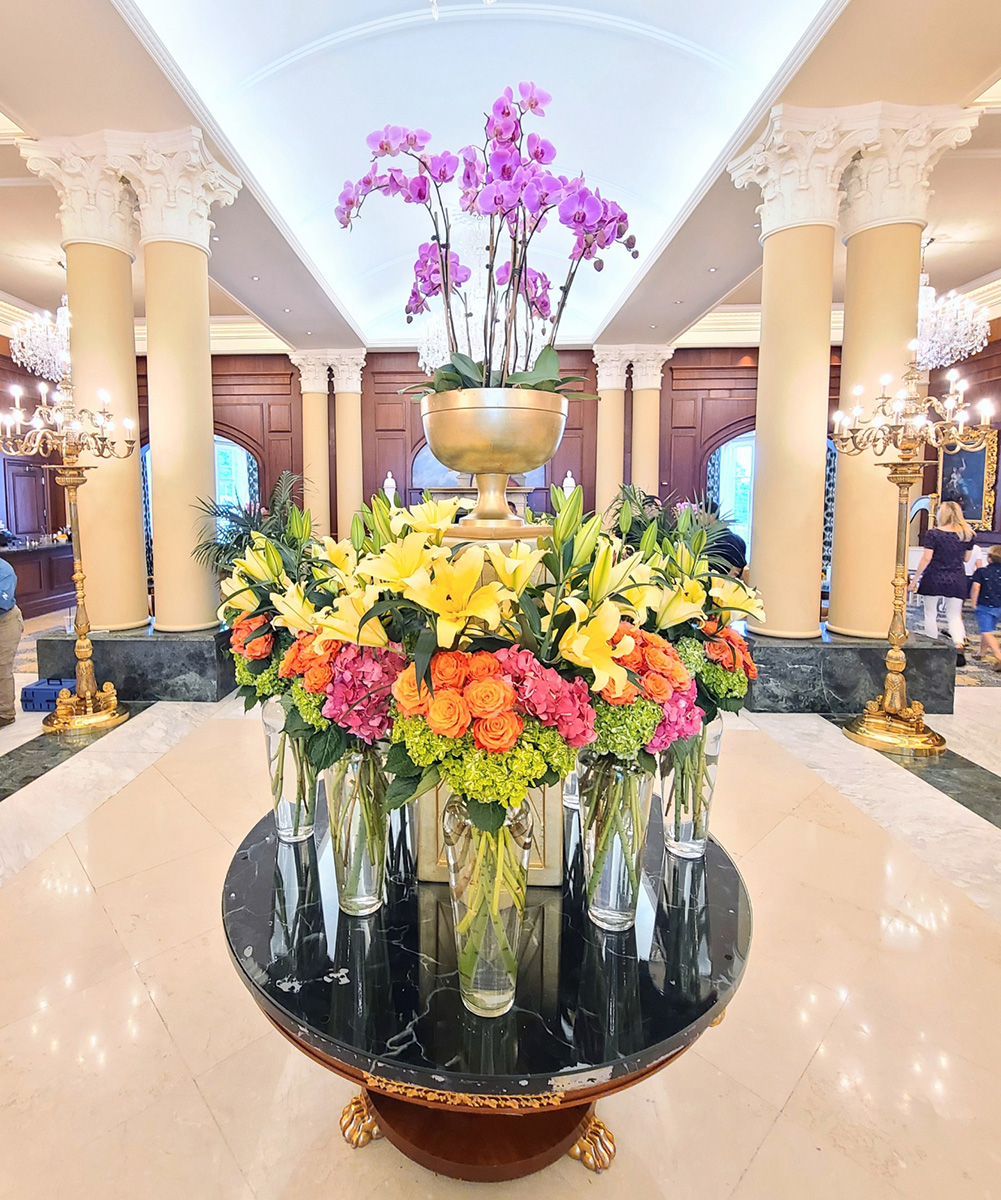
(41,696)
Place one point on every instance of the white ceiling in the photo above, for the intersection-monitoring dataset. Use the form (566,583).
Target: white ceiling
(647,95)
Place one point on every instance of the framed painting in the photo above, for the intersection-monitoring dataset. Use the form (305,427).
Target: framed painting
(970,478)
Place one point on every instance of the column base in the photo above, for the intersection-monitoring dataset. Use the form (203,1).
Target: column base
(798,635)
(185,628)
(857,633)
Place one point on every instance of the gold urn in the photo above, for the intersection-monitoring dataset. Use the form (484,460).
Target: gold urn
(492,433)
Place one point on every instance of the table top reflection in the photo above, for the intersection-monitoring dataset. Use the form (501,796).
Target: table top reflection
(378,996)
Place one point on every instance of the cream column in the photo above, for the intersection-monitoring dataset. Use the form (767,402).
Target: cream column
(648,362)
(96,211)
(314,383)
(611,362)
(798,166)
(346,366)
(177,182)
(882,217)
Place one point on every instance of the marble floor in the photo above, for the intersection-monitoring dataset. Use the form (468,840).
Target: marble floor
(861,1057)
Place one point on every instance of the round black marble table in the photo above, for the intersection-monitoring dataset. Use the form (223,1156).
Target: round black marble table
(376,999)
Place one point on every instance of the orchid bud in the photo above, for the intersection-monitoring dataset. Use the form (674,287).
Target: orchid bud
(599,265)
(636,254)
(620,229)
(630,241)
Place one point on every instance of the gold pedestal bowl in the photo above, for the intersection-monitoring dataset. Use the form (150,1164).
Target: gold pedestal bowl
(492,433)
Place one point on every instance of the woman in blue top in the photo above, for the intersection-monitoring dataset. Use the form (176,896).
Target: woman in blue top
(941,573)
(986,597)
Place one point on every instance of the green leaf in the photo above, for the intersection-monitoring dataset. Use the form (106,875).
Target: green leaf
(533,618)
(399,762)
(470,372)
(647,761)
(547,365)
(296,726)
(401,790)
(326,746)
(550,779)
(427,644)
(486,817)
(249,700)
(257,666)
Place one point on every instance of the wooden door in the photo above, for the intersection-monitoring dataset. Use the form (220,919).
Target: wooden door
(25,494)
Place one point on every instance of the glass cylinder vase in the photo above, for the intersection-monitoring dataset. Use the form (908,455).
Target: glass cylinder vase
(356,808)
(293,776)
(688,778)
(488,881)
(615,799)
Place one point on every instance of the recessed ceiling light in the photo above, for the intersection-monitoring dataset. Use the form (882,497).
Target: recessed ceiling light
(653,326)
(215,237)
(756,225)
(711,269)
(288,310)
(255,278)
(309,333)
(679,302)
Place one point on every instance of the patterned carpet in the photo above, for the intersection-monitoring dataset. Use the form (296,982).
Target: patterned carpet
(25,661)
(977,672)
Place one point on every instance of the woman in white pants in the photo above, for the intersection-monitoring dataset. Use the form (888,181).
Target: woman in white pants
(941,573)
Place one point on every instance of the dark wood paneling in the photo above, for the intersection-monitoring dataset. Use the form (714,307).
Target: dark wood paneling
(392,432)
(256,402)
(44,578)
(24,490)
(53,500)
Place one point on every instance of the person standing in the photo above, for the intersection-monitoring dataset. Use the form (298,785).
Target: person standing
(941,574)
(11,628)
(985,595)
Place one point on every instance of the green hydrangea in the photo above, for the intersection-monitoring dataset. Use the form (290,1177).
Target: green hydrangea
(309,705)
(723,684)
(691,654)
(423,746)
(266,684)
(624,729)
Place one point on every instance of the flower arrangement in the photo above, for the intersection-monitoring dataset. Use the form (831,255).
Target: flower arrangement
(508,180)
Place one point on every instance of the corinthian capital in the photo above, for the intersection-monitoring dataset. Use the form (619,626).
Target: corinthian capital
(95,203)
(346,366)
(648,363)
(314,369)
(176,180)
(888,182)
(611,362)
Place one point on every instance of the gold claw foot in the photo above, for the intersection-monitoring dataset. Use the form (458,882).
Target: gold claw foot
(595,1147)
(358,1124)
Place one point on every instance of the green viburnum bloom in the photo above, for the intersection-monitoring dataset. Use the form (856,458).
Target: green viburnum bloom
(266,684)
(624,729)
(691,654)
(309,705)
(721,683)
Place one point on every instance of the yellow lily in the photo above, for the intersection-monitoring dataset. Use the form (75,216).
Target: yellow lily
(432,516)
(452,595)
(400,561)
(337,559)
(295,612)
(236,594)
(262,562)
(589,645)
(608,576)
(680,602)
(733,596)
(341,622)
(682,562)
(515,569)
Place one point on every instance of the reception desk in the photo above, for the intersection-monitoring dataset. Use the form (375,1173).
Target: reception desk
(44,577)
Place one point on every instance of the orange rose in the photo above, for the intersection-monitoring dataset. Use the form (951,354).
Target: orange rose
(490,697)
(626,696)
(411,700)
(498,733)
(633,661)
(627,630)
(317,677)
(710,626)
(448,669)
(290,664)
(259,647)
(482,665)
(657,688)
(448,714)
(720,652)
(311,654)
(658,655)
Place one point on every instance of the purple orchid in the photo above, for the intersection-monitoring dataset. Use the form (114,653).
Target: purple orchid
(418,190)
(539,150)
(385,141)
(442,167)
(533,99)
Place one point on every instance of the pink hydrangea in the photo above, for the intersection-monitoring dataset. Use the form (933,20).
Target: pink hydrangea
(545,694)
(358,696)
(682,719)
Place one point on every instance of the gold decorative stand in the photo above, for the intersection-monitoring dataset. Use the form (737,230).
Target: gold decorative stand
(60,428)
(595,1148)
(889,723)
(906,423)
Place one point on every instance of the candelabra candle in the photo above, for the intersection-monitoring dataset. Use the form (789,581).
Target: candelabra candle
(906,425)
(62,430)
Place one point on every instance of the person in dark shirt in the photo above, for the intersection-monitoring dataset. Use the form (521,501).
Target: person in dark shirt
(985,595)
(11,628)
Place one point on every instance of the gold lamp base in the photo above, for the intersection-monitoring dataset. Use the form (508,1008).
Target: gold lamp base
(901,736)
(86,714)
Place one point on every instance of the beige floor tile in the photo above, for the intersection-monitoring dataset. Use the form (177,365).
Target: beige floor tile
(793,1163)
(772,1029)
(808,930)
(169,904)
(870,869)
(896,1101)
(198,993)
(56,937)
(147,823)
(221,768)
(75,1071)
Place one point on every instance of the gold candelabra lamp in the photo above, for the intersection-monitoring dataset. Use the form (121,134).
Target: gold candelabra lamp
(905,424)
(58,427)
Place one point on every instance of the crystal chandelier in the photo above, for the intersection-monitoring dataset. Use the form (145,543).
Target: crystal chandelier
(41,345)
(950,327)
(468,238)
(434,6)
